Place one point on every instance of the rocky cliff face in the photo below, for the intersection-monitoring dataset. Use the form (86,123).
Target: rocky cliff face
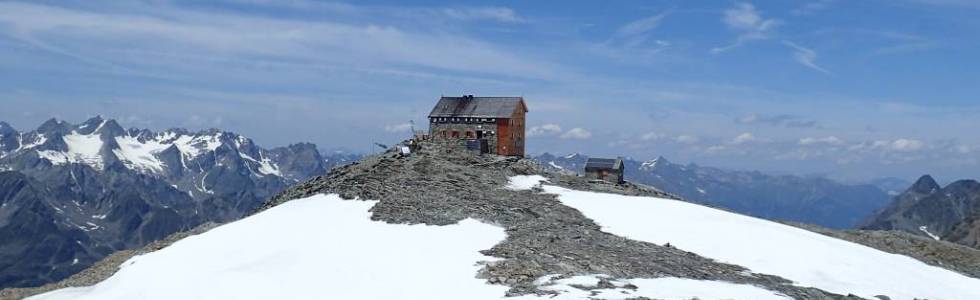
(813,200)
(77,192)
(948,213)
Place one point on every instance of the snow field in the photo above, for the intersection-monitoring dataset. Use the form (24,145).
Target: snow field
(320,247)
(807,258)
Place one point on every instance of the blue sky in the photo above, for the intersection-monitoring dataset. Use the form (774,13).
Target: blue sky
(850,89)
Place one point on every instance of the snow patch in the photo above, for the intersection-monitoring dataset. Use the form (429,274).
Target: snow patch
(525,182)
(193,146)
(317,247)
(84,148)
(140,156)
(268,167)
(556,166)
(809,259)
(650,164)
(40,139)
(925,229)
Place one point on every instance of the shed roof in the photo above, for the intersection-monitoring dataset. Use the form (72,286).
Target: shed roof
(603,164)
(469,106)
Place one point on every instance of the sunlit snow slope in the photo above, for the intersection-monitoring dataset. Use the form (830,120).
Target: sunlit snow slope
(807,258)
(315,248)
(323,247)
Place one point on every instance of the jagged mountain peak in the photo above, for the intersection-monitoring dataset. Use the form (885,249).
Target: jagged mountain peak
(654,163)
(925,185)
(102,188)
(4,127)
(940,213)
(54,126)
(102,143)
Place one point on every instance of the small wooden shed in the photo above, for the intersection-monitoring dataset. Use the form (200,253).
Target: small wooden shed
(607,169)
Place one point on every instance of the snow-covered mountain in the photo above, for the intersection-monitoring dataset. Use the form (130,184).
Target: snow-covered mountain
(74,193)
(175,154)
(813,200)
(447,225)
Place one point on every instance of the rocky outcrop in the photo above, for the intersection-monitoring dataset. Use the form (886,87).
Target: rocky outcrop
(441,184)
(956,257)
(948,213)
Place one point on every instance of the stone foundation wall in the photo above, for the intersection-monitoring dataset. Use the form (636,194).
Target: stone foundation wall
(435,130)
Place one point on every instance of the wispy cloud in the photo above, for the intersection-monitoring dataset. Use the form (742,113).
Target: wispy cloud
(782,120)
(641,26)
(805,56)
(499,14)
(687,139)
(225,36)
(829,140)
(743,138)
(635,41)
(399,128)
(544,130)
(813,7)
(948,3)
(577,134)
(748,22)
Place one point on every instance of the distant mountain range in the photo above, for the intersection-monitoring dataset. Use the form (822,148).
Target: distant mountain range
(71,194)
(950,213)
(812,200)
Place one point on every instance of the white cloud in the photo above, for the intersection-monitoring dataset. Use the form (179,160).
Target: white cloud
(830,140)
(783,120)
(715,149)
(499,14)
(182,34)
(687,139)
(748,22)
(963,149)
(898,145)
(805,56)
(635,42)
(744,138)
(651,136)
(398,128)
(544,130)
(577,134)
(907,145)
(813,7)
(640,26)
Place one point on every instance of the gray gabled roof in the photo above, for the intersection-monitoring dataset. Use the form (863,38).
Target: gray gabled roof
(603,164)
(480,107)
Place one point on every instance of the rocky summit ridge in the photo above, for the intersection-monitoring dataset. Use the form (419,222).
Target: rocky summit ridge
(441,184)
